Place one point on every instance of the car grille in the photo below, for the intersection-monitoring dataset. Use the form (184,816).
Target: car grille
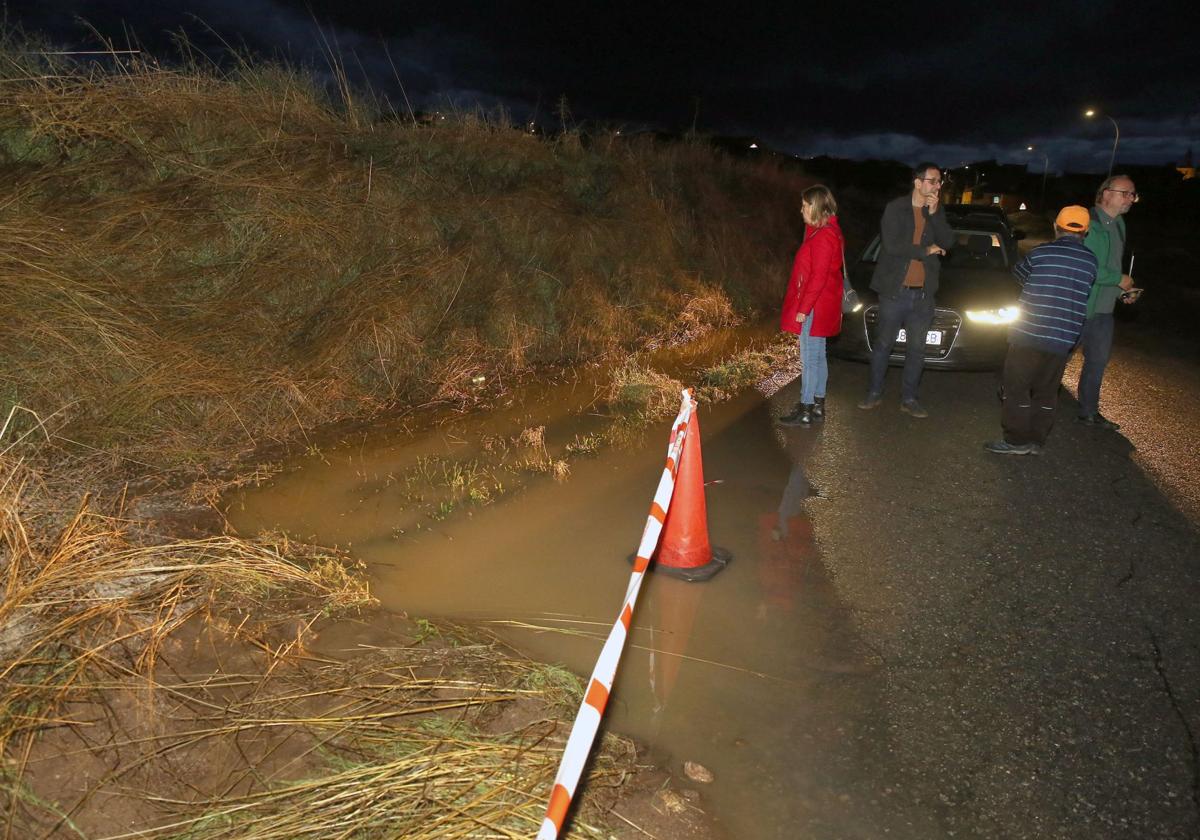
(946,320)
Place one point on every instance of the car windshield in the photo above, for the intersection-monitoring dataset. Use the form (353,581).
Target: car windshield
(972,249)
(976,249)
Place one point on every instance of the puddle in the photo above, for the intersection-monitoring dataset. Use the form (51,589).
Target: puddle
(755,674)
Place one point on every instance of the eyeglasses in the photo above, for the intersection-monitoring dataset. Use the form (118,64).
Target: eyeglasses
(937,182)
(1131,193)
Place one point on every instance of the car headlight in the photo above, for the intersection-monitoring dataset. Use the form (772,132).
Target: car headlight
(1005,315)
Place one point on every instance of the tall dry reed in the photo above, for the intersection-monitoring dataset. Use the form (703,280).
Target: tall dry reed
(194,263)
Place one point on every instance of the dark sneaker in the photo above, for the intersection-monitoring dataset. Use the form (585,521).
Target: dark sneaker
(1098,420)
(801,415)
(914,408)
(1003,447)
(819,408)
(870,401)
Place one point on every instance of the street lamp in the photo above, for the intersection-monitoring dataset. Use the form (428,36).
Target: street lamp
(1090,112)
(1045,169)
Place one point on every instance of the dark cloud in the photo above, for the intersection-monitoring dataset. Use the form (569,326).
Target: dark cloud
(969,79)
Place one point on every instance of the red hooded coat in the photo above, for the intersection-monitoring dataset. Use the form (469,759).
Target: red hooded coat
(816,284)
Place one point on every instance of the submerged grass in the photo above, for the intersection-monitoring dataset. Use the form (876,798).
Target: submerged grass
(641,393)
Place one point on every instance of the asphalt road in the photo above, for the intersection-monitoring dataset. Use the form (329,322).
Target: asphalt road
(1036,617)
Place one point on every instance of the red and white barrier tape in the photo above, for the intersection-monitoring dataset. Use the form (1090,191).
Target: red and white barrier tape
(591,710)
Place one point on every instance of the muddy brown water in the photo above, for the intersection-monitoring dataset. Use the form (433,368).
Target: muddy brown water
(756,674)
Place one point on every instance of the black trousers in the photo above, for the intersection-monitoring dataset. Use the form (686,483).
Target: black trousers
(1031,382)
(913,310)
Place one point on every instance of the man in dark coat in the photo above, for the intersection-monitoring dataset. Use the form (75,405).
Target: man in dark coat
(914,233)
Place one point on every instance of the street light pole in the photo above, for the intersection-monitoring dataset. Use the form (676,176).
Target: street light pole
(1116,138)
(1045,169)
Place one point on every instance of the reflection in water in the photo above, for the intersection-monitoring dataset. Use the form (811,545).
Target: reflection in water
(786,535)
(672,614)
(754,674)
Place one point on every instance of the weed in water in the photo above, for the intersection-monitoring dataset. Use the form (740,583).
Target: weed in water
(426,630)
(588,444)
(721,381)
(558,683)
(642,393)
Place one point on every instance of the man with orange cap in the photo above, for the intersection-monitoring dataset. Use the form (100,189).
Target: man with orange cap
(1056,279)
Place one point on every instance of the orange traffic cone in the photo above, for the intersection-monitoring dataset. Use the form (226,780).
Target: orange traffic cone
(684,550)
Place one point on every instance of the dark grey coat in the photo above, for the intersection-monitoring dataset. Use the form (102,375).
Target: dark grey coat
(897,248)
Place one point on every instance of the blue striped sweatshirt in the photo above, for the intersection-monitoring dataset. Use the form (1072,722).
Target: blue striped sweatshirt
(1056,279)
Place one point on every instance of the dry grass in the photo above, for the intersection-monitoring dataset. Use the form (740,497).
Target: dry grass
(89,596)
(406,741)
(193,264)
(173,676)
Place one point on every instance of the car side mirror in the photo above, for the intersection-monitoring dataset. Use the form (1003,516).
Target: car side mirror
(1018,235)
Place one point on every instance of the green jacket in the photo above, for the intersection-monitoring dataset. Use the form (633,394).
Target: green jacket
(1106,290)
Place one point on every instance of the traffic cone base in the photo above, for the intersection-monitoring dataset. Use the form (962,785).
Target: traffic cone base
(718,559)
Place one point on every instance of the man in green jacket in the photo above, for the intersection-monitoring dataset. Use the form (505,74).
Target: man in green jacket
(1105,239)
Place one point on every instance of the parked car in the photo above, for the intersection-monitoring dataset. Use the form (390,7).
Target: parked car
(976,301)
(964,214)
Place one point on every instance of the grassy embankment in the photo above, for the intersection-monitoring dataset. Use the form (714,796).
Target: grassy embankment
(194,265)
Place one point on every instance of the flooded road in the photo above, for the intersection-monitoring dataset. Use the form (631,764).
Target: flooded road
(756,674)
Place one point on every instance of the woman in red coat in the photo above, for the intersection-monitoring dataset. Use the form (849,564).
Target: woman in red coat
(812,307)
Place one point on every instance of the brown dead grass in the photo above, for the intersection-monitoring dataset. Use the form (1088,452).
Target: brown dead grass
(173,678)
(193,264)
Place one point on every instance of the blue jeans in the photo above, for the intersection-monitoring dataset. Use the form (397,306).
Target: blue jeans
(912,309)
(1096,343)
(814,367)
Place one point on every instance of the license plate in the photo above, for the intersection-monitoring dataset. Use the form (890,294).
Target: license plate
(933,337)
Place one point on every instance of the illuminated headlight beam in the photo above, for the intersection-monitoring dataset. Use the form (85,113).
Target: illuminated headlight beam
(1006,315)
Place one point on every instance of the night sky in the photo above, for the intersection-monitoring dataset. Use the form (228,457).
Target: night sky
(953,82)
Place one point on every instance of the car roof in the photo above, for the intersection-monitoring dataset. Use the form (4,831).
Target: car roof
(988,209)
(987,223)
(981,221)
(980,211)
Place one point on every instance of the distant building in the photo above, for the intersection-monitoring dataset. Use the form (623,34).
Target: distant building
(1004,185)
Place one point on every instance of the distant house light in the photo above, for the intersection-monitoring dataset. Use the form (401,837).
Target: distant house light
(1023,207)
(995,199)
(753,145)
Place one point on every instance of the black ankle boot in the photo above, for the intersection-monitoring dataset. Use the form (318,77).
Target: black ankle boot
(818,409)
(801,415)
